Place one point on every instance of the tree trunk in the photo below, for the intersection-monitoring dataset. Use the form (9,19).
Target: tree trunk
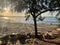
(35,26)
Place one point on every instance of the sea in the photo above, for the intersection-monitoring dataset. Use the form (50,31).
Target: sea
(24,28)
(47,20)
(22,19)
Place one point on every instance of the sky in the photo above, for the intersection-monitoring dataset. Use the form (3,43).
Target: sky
(7,10)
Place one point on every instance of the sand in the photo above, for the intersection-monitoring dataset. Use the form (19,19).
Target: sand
(27,28)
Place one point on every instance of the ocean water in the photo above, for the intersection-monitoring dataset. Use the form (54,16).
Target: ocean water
(47,20)
(21,27)
(21,19)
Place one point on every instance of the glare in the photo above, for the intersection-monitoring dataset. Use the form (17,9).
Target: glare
(6,9)
(5,17)
(14,33)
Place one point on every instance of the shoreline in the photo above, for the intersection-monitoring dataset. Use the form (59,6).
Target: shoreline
(27,28)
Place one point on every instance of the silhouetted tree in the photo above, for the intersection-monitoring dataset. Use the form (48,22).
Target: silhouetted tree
(37,7)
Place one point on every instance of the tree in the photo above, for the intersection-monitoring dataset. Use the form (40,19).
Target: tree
(18,5)
(37,7)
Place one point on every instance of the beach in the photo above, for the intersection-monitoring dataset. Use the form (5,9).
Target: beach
(27,28)
(18,28)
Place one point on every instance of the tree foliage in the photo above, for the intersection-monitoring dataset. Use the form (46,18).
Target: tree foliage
(36,8)
(40,5)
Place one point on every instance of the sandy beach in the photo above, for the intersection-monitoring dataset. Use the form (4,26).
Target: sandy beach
(27,28)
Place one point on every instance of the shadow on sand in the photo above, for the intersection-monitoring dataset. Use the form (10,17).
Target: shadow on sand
(53,42)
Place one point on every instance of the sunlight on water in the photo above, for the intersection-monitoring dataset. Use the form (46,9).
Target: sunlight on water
(9,15)
(8,9)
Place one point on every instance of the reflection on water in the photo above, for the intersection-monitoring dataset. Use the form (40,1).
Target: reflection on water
(18,23)
(21,19)
(9,7)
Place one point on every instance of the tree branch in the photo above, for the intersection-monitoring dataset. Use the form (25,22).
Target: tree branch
(46,11)
(41,12)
